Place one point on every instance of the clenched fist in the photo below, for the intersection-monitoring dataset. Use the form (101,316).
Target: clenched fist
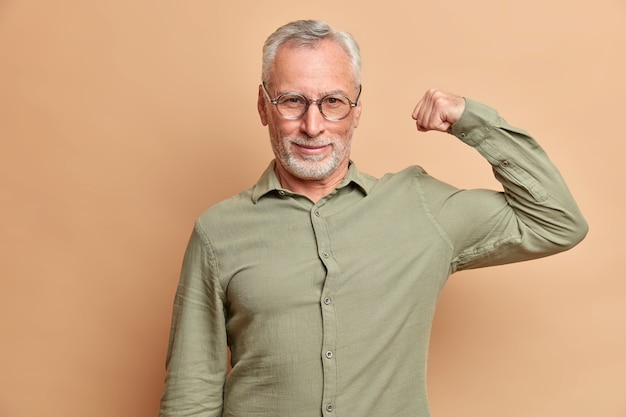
(438,110)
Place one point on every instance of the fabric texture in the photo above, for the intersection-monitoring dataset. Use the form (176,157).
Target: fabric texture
(327,307)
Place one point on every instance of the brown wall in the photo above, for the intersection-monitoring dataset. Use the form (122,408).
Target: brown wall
(121,121)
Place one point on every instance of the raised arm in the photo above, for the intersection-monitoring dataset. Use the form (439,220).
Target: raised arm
(534,216)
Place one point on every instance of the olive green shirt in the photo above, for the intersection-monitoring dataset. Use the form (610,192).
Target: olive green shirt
(327,307)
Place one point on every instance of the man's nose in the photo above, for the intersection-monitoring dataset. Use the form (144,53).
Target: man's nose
(313,122)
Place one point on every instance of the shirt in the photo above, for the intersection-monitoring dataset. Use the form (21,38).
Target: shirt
(327,307)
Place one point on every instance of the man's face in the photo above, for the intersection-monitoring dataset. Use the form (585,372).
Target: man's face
(311,147)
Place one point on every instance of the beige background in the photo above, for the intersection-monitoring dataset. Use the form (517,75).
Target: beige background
(121,121)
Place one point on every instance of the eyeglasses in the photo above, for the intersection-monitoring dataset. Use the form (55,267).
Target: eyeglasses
(293,105)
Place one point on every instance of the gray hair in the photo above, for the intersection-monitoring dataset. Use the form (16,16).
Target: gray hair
(309,33)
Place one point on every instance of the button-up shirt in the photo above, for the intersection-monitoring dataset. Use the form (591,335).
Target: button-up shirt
(327,307)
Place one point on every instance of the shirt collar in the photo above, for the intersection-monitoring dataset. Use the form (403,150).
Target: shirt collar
(268,182)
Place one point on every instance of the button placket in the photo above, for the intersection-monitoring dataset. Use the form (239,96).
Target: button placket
(323,238)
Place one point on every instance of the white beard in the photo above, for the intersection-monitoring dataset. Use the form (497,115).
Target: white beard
(310,167)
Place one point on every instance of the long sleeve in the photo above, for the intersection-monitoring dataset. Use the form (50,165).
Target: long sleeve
(197,352)
(534,216)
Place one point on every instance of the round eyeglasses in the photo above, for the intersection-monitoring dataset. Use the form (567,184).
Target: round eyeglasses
(293,105)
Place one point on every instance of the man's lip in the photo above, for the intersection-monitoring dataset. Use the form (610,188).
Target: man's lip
(311,146)
(312,149)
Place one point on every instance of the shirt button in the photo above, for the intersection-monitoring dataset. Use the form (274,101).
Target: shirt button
(281,192)
(329,354)
(317,213)
(327,301)
(329,408)
(326,255)
(462,135)
(505,163)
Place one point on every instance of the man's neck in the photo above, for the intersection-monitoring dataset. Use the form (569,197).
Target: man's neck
(313,189)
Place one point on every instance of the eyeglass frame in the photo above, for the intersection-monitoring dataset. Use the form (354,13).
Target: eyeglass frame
(308,102)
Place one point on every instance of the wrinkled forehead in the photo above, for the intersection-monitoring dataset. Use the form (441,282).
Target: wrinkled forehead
(324,62)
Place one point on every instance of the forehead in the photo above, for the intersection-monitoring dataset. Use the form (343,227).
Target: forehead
(313,69)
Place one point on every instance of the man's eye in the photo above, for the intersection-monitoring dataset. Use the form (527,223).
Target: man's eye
(292,101)
(335,101)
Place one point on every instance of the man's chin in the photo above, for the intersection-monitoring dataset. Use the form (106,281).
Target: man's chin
(311,170)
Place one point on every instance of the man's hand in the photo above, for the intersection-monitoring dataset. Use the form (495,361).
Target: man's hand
(438,110)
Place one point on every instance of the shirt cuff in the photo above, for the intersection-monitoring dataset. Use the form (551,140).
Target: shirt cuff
(475,123)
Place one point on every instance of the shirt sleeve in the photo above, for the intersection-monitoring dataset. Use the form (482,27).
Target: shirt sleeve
(534,216)
(197,352)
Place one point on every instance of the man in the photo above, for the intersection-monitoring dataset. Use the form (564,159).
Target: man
(323,280)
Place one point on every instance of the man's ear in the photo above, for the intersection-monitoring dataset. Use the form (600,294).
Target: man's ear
(262,106)
(357,115)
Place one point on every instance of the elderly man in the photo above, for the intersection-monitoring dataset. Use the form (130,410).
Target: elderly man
(323,280)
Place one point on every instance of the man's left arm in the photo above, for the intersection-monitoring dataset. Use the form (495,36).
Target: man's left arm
(536,214)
